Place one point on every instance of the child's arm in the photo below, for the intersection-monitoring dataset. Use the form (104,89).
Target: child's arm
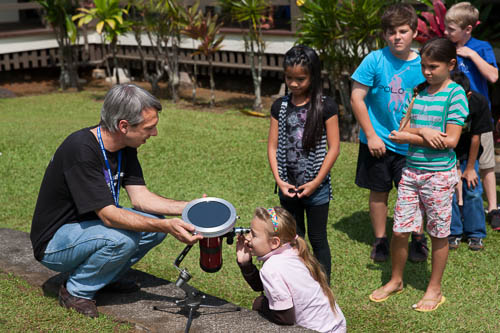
(248,269)
(272,147)
(375,145)
(252,277)
(428,137)
(280,317)
(470,174)
(487,70)
(333,139)
(425,137)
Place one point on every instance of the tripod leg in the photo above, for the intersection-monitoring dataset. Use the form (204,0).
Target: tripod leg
(190,319)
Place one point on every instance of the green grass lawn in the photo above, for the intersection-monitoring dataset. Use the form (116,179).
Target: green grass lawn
(224,155)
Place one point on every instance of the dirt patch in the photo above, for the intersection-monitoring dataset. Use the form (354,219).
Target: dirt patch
(45,81)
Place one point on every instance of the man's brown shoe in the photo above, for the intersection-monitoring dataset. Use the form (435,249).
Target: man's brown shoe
(84,306)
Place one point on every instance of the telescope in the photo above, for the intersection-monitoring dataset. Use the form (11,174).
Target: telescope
(214,218)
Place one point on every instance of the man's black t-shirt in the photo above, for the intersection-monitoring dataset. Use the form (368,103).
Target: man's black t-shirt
(75,184)
(477,122)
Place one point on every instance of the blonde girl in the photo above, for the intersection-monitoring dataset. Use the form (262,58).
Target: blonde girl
(296,290)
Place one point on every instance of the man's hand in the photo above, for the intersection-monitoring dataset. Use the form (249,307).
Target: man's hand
(182,231)
(470,176)
(376,146)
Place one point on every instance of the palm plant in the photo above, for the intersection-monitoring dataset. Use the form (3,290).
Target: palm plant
(343,32)
(251,13)
(161,21)
(58,14)
(110,25)
(143,19)
(169,31)
(206,30)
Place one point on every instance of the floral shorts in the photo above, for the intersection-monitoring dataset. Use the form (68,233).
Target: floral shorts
(428,193)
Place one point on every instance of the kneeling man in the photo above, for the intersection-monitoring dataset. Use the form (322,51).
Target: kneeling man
(78,225)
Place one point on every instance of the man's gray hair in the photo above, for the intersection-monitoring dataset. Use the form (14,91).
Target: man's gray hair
(126,102)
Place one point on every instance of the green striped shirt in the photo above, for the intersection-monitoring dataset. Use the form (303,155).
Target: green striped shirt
(448,106)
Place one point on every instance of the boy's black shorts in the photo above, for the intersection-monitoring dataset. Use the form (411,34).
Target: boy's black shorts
(378,174)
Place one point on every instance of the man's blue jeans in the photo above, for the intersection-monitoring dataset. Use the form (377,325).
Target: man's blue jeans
(472,222)
(96,255)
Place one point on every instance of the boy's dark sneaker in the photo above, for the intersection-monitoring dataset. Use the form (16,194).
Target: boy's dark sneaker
(494,218)
(84,306)
(380,249)
(454,242)
(418,251)
(476,244)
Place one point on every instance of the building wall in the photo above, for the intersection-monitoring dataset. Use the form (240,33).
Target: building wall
(9,15)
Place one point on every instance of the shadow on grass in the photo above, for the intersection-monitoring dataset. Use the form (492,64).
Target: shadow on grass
(358,228)
(163,291)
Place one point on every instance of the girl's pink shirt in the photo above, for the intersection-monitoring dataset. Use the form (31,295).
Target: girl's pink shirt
(288,283)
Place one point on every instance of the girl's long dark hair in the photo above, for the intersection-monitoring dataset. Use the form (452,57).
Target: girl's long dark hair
(308,58)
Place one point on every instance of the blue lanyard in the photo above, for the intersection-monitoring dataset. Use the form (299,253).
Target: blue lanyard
(114,192)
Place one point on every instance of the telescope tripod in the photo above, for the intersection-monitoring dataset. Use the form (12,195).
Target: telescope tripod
(192,300)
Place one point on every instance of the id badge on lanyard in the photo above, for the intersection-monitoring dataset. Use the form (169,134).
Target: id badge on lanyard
(115,192)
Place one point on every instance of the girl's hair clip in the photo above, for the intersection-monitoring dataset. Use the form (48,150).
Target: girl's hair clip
(274,218)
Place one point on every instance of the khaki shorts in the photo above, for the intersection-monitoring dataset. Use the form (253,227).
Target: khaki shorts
(487,158)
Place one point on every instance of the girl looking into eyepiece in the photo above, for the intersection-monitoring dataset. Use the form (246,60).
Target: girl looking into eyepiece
(296,289)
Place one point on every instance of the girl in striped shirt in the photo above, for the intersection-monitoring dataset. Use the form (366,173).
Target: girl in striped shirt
(432,126)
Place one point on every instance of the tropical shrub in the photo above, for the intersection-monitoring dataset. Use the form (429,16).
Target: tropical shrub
(251,13)
(343,32)
(205,29)
(58,14)
(110,25)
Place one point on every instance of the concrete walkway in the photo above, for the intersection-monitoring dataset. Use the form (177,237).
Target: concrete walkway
(137,308)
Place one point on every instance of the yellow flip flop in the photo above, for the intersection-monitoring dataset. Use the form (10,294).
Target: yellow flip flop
(438,304)
(379,300)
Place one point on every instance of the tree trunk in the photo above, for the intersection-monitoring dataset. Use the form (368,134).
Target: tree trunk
(212,82)
(258,97)
(115,60)
(349,127)
(173,71)
(194,79)
(105,57)
(257,104)
(62,62)
(68,76)
(159,64)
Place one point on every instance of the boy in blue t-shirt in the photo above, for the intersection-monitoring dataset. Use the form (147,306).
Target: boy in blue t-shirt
(477,60)
(383,84)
